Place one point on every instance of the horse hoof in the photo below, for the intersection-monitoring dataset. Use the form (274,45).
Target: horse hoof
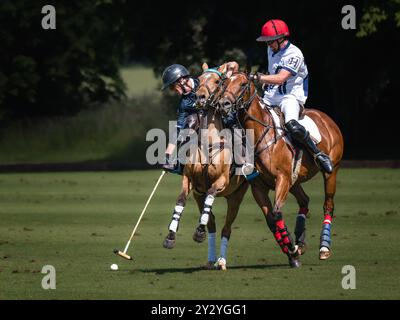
(168,243)
(210,265)
(294,263)
(221,264)
(302,248)
(199,235)
(324,255)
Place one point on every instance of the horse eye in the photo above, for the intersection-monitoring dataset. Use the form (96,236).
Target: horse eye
(217,81)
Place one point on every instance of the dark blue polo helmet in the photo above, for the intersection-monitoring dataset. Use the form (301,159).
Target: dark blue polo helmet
(173,73)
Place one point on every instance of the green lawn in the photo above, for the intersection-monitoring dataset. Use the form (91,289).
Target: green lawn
(73,221)
(140,80)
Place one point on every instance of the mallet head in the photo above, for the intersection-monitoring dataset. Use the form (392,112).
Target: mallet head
(122,254)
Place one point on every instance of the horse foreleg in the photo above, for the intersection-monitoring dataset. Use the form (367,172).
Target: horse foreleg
(173,227)
(260,194)
(262,199)
(212,251)
(330,190)
(234,200)
(300,229)
(200,233)
(282,234)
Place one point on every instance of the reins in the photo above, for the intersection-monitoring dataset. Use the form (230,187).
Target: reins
(240,104)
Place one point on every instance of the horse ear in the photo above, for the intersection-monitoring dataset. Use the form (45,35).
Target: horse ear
(231,67)
(228,68)
(204,66)
(222,68)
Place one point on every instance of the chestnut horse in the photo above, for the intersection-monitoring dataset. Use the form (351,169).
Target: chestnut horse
(212,84)
(274,160)
(209,177)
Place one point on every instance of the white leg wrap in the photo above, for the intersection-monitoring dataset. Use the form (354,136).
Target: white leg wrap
(207,208)
(173,226)
(178,209)
(209,200)
(204,219)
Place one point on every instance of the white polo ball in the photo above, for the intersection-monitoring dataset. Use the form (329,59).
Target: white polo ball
(114,266)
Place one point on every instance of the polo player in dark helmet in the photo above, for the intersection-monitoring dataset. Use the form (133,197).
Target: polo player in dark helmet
(177,78)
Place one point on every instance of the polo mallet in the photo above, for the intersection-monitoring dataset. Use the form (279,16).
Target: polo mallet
(123,254)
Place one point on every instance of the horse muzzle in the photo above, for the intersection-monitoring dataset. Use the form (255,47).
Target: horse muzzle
(226,105)
(201,101)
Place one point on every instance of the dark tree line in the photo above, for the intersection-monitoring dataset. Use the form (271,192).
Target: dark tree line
(353,73)
(58,72)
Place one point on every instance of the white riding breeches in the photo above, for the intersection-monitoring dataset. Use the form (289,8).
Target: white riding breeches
(289,106)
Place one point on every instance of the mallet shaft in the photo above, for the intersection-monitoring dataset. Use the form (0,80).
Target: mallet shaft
(144,210)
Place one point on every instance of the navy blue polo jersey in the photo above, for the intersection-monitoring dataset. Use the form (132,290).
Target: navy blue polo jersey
(187,105)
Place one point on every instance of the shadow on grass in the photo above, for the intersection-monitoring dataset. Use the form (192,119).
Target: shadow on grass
(203,268)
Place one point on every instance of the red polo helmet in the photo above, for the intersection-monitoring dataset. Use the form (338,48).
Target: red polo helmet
(273,29)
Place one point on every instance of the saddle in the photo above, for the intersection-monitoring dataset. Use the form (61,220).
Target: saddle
(197,121)
(304,120)
(297,152)
(281,116)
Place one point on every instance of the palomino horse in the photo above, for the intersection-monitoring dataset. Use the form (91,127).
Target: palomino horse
(274,160)
(209,177)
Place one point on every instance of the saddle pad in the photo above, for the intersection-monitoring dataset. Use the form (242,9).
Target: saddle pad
(307,122)
(312,128)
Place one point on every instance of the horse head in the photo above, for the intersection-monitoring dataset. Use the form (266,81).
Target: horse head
(211,83)
(238,94)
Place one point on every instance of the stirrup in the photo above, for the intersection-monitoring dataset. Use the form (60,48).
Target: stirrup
(177,169)
(249,171)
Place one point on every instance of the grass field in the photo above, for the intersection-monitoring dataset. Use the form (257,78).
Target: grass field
(73,221)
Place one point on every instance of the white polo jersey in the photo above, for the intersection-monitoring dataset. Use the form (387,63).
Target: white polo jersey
(289,58)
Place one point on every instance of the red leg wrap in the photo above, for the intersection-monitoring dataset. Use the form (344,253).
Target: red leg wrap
(278,238)
(327,219)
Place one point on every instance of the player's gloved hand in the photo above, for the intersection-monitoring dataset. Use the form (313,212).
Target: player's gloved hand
(255,76)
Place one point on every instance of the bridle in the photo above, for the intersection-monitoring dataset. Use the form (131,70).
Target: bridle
(238,97)
(212,99)
(239,104)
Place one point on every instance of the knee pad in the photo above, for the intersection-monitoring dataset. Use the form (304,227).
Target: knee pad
(296,130)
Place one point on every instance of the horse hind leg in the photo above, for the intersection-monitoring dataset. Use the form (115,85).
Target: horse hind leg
(325,239)
(300,228)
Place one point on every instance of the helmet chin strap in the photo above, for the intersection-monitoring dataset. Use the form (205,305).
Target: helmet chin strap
(185,85)
(182,85)
(280,41)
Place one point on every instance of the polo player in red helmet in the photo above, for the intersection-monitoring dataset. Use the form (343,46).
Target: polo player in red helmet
(286,85)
